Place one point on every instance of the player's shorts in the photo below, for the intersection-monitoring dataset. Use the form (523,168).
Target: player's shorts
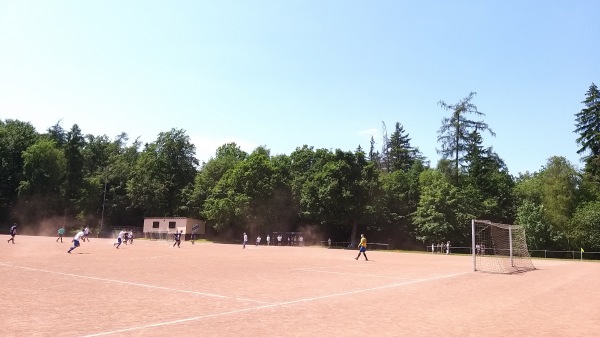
(362,249)
(75,243)
(119,240)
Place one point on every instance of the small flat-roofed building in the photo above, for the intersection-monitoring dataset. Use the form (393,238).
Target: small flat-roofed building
(163,228)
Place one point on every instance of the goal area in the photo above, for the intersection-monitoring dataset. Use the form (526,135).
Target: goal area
(499,248)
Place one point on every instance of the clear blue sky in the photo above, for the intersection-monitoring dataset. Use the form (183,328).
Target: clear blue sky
(288,73)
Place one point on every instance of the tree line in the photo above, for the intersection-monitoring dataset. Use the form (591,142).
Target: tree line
(390,192)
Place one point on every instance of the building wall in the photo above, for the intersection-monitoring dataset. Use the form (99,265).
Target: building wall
(172,225)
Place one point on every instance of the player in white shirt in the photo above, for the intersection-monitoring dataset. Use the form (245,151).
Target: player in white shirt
(119,239)
(75,240)
(86,233)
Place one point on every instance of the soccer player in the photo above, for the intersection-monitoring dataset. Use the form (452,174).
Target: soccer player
(75,241)
(268,240)
(245,240)
(61,232)
(119,239)
(130,236)
(362,247)
(13,232)
(177,238)
(86,233)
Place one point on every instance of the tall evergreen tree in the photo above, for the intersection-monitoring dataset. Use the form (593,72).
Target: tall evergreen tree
(401,153)
(588,127)
(455,130)
(374,156)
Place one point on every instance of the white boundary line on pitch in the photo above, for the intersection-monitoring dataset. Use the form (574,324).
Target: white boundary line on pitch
(134,284)
(304,300)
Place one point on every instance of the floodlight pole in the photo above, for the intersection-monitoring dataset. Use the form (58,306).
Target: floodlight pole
(103,203)
(473,245)
(510,243)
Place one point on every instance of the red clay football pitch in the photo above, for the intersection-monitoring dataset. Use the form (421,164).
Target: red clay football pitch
(151,288)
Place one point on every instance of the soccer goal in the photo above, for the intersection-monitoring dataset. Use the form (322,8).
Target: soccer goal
(499,248)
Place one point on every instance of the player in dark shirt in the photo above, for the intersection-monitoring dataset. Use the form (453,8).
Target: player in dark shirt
(177,238)
(13,232)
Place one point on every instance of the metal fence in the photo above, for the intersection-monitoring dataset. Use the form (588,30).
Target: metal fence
(536,253)
(351,245)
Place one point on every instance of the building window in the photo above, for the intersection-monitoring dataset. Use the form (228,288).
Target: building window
(155,224)
(172,224)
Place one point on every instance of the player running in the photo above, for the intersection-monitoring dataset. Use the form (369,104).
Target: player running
(119,239)
(177,238)
(13,233)
(75,241)
(86,234)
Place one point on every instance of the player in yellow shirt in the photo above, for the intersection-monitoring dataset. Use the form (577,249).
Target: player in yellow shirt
(362,247)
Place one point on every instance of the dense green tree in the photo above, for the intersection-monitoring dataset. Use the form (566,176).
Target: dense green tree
(163,172)
(249,189)
(539,233)
(585,226)
(454,132)
(43,175)
(337,195)
(399,200)
(15,138)
(285,211)
(226,158)
(439,215)
(487,174)
(554,192)
(74,164)
(559,183)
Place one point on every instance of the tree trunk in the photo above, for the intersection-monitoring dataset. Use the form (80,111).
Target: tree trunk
(354,229)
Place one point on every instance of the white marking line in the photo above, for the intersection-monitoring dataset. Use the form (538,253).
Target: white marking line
(135,284)
(354,274)
(304,300)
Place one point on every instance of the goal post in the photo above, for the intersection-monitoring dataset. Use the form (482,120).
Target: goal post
(499,248)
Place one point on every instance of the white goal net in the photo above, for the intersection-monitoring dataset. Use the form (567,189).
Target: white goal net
(499,248)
